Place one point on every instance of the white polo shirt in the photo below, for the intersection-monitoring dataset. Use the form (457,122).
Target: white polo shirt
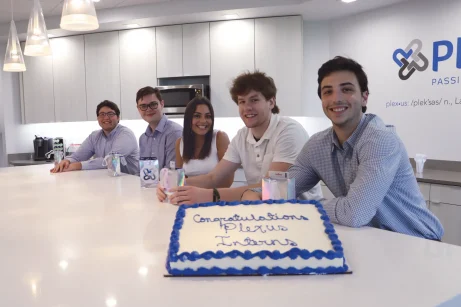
(282,142)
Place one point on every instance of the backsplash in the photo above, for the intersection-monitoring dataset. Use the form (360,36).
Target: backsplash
(76,132)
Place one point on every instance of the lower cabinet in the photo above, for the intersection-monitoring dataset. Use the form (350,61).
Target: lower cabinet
(445,203)
(426,191)
(450,217)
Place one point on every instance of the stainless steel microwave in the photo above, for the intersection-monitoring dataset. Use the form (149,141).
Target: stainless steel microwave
(176,97)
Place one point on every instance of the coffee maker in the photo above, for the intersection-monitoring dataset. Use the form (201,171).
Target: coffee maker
(42,148)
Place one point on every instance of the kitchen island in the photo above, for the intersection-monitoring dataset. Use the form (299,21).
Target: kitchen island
(87,239)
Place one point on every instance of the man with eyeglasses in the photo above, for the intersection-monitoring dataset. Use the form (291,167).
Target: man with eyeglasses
(112,138)
(161,134)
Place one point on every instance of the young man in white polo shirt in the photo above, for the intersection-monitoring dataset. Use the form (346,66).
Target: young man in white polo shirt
(269,142)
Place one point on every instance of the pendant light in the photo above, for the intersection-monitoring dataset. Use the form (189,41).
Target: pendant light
(79,15)
(14,61)
(37,43)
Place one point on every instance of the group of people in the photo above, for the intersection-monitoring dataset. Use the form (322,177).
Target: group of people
(360,159)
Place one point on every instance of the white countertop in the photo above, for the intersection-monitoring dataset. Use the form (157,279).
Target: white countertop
(105,229)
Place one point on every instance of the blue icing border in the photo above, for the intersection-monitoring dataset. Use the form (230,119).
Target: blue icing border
(293,253)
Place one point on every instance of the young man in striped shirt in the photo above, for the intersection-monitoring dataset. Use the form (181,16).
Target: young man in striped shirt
(361,160)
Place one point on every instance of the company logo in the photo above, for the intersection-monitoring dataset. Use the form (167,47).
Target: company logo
(410,59)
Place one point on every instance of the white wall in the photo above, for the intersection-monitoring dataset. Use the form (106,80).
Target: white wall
(10,110)
(316,52)
(3,158)
(372,38)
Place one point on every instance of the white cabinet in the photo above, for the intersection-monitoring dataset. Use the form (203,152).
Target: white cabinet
(102,70)
(450,217)
(232,53)
(446,194)
(425,190)
(37,90)
(138,67)
(279,53)
(169,51)
(69,78)
(85,70)
(196,49)
(445,203)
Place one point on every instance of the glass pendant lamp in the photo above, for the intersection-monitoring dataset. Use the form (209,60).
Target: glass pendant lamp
(79,15)
(14,60)
(37,43)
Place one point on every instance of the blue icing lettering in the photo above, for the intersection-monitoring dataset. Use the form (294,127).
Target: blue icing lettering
(228,226)
(222,241)
(261,228)
(237,218)
(251,242)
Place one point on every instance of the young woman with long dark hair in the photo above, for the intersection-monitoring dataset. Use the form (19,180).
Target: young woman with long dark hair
(201,147)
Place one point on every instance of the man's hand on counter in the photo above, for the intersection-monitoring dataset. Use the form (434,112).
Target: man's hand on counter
(66,166)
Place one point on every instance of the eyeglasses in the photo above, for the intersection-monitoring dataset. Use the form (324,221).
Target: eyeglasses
(109,114)
(152,106)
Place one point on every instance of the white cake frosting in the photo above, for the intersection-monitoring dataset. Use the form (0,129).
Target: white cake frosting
(251,229)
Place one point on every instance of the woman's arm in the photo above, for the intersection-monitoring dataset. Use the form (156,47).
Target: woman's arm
(222,142)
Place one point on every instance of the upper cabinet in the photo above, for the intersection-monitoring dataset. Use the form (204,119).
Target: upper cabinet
(232,53)
(138,67)
(169,51)
(183,50)
(69,78)
(279,53)
(37,90)
(102,68)
(85,70)
(196,49)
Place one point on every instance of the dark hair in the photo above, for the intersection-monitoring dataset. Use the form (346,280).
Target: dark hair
(188,136)
(256,81)
(340,63)
(148,90)
(110,105)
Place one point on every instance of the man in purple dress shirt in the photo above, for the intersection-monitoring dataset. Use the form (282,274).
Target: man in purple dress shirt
(161,134)
(112,138)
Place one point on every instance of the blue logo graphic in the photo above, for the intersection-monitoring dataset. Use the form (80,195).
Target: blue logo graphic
(410,59)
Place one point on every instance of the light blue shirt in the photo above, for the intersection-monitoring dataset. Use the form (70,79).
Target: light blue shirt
(370,176)
(161,143)
(121,140)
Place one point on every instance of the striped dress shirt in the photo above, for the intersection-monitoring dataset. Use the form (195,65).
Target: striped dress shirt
(370,176)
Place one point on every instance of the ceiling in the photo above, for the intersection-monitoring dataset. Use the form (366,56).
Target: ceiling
(54,7)
(114,14)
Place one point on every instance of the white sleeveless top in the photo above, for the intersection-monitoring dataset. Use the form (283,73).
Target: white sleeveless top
(197,167)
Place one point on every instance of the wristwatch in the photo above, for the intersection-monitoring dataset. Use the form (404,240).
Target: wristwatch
(216,196)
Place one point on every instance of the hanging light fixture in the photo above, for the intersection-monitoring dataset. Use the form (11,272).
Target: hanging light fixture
(37,43)
(79,15)
(14,61)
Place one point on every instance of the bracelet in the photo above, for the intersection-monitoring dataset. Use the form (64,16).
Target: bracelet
(241,196)
(257,190)
(216,196)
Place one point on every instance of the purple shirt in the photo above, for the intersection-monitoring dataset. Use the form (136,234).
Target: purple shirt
(120,140)
(160,143)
